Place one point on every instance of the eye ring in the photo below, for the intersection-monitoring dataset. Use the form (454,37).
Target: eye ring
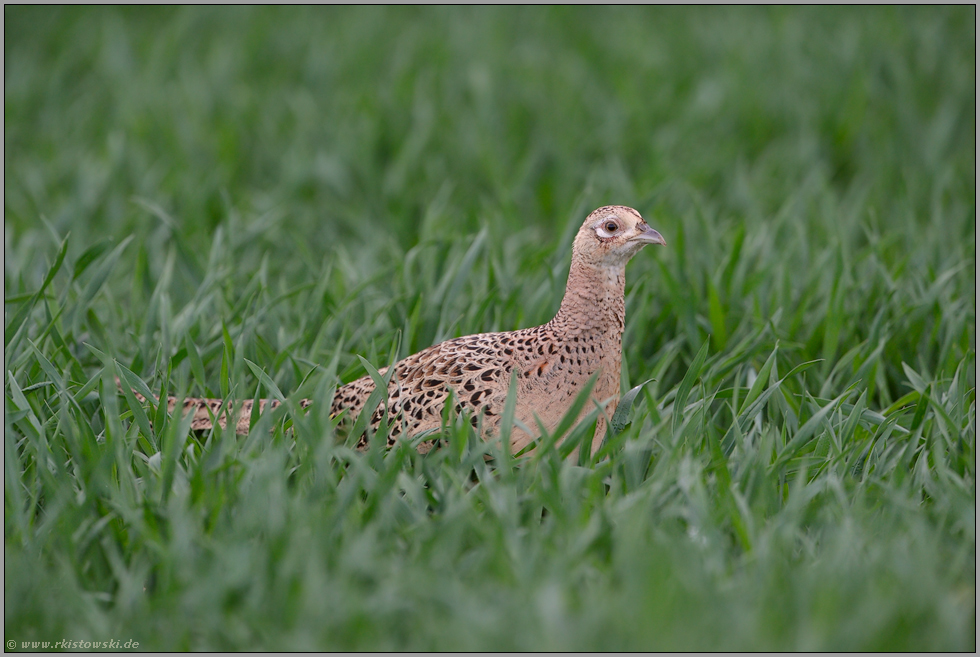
(607,228)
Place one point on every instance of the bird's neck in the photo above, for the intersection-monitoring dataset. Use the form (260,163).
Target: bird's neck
(593,304)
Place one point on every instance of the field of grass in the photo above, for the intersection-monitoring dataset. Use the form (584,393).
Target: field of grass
(222,201)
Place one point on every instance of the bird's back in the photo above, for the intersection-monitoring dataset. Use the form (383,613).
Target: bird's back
(549,367)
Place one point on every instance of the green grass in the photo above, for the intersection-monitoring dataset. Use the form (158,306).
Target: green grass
(191,190)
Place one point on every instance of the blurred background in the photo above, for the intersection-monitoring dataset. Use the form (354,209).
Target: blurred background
(343,118)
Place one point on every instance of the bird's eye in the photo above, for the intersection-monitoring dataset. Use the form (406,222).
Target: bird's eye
(607,229)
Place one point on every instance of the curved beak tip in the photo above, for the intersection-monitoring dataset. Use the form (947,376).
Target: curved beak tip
(651,236)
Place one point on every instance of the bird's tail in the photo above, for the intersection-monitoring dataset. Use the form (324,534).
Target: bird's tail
(208,410)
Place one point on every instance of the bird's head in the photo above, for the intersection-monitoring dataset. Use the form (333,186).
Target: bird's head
(612,235)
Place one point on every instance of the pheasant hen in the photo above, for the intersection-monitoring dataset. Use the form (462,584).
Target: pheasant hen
(551,362)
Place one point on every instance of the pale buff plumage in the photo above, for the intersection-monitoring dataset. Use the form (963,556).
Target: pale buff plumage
(551,362)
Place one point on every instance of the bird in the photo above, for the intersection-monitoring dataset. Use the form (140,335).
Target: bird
(550,364)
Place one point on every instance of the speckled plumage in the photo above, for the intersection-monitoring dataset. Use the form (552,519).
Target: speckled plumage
(552,361)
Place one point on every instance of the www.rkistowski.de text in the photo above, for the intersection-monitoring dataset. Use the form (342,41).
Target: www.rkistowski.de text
(68,644)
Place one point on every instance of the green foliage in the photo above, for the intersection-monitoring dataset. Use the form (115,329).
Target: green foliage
(241,202)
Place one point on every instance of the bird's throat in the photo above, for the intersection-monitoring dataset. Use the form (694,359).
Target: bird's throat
(594,301)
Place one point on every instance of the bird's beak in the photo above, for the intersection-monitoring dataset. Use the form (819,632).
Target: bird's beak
(648,235)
